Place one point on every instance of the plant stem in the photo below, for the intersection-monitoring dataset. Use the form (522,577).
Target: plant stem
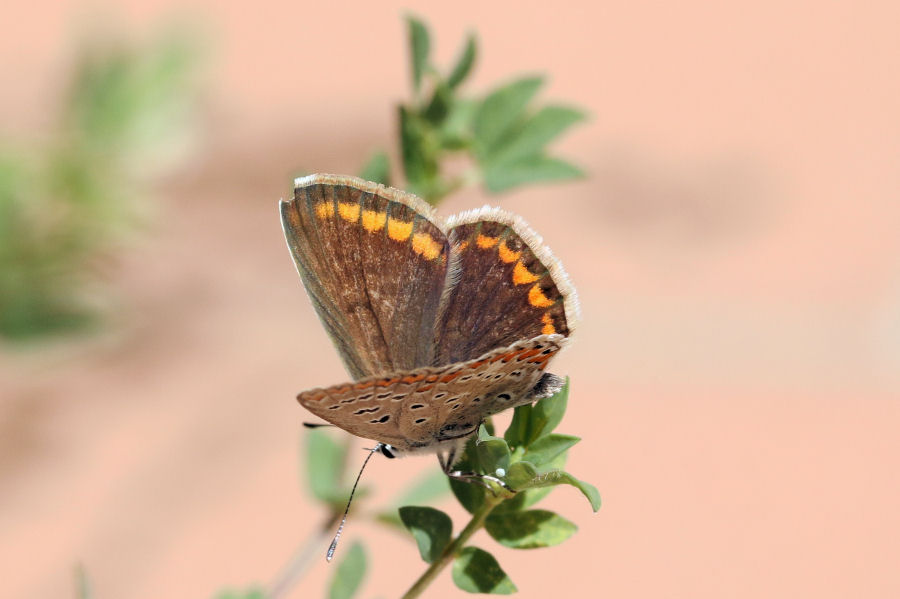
(454,547)
(296,568)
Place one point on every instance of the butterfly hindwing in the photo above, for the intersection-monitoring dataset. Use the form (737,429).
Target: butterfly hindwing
(507,287)
(374,265)
(422,408)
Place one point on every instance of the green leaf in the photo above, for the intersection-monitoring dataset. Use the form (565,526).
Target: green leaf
(430,528)
(439,106)
(529,529)
(536,132)
(350,573)
(531,422)
(464,62)
(501,110)
(547,448)
(530,169)
(493,453)
(521,475)
(533,496)
(325,459)
(377,169)
(456,129)
(471,496)
(476,571)
(412,148)
(419,47)
(518,430)
(548,413)
(524,475)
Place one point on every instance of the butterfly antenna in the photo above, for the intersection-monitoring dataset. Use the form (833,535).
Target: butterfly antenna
(337,535)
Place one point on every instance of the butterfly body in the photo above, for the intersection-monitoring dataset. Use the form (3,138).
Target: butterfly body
(440,323)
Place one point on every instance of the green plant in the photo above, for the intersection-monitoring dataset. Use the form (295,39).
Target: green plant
(66,204)
(529,458)
(501,136)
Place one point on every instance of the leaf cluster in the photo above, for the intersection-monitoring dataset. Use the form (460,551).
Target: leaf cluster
(528,461)
(63,205)
(503,134)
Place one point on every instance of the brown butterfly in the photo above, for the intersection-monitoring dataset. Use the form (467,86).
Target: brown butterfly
(441,323)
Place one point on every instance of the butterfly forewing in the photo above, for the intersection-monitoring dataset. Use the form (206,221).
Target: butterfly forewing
(422,408)
(374,266)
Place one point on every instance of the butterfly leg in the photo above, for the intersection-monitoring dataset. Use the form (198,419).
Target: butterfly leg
(469,477)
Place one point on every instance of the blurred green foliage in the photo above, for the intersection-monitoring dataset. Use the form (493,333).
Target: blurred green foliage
(126,116)
(502,135)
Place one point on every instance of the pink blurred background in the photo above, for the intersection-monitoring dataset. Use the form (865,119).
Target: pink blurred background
(736,377)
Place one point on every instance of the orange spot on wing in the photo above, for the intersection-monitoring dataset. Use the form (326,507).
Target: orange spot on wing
(486,242)
(449,377)
(426,388)
(523,276)
(510,356)
(413,378)
(537,298)
(349,212)
(399,230)
(325,210)
(422,243)
(506,254)
(373,221)
(462,246)
(548,329)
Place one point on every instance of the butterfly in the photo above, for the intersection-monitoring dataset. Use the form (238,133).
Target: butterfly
(440,322)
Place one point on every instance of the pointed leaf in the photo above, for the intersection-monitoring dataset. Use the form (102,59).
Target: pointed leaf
(412,147)
(325,459)
(529,529)
(476,571)
(430,528)
(456,129)
(501,110)
(545,449)
(533,496)
(419,47)
(464,62)
(439,106)
(530,169)
(377,169)
(493,453)
(349,575)
(548,413)
(516,434)
(536,132)
(523,475)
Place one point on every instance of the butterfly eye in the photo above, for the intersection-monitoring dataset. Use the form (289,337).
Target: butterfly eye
(388,451)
